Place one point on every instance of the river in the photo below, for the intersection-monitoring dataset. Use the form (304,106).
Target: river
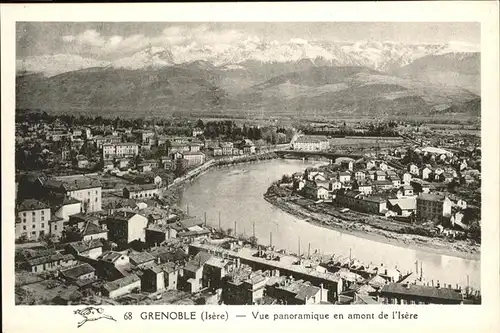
(237,193)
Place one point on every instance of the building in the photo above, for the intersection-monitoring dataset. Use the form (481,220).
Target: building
(120,150)
(414,170)
(33,219)
(344,177)
(247,146)
(93,231)
(360,175)
(365,188)
(160,277)
(78,273)
(141,191)
(314,191)
(397,293)
(100,141)
(123,286)
(82,162)
(191,276)
(193,158)
(141,259)
(357,201)
(50,262)
(433,207)
(407,178)
(125,227)
(84,189)
(402,206)
(405,191)
(426,173)
(311,143)
(227,148)
(197,131)
(90,249)
(297,292)
(245,287)
(380,175)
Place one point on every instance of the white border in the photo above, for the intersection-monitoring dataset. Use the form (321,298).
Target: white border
(483,318)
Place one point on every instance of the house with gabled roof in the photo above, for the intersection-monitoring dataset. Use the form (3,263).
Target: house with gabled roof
(90,248)
(191,276)
(122,286)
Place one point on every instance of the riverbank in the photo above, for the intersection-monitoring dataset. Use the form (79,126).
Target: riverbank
(458,248)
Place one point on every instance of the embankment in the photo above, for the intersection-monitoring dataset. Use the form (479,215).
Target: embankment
(458,248)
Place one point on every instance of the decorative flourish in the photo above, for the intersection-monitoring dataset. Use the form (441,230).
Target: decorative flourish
(91,313)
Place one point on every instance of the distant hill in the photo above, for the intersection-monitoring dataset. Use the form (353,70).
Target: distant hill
(458,69)
(356,90)
(294,88)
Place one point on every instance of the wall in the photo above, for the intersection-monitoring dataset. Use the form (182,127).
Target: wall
(136,228)
(125,290)
(38,218)
(94,253)
(65,211)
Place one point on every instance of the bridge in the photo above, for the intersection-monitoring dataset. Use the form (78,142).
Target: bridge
(305,154)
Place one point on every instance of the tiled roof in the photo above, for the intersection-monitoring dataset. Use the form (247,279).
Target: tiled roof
(138,188)
(307,291)
(422,291)
(50,258)
(120,283)
(77,271)
(197,262)
(83,246)
(110,256)
(80,184)
(138,258)
(92,229)
(31,204)
(430,197)
(190,222)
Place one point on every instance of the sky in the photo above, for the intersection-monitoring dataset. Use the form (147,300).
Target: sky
(112,40)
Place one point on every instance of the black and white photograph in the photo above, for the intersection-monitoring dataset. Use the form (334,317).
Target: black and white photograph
(247,163)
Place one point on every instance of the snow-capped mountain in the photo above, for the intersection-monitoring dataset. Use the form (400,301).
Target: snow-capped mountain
(381,56)
(51,65)
(248,62)
(152,57)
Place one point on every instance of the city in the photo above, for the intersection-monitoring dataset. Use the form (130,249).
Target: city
(106,227)
(250,171)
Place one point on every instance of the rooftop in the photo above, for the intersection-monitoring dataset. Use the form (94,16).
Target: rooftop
(31,204)
(138,188)
(77,271)
(138,258)
(83,246)
(50,258)
(430,197)
(422,291)
(120,283)
(197,262)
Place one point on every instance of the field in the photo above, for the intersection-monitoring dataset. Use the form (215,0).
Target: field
(363,142)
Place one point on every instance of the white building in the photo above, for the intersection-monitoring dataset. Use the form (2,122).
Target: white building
(311,143)
(120,150)
(33,219)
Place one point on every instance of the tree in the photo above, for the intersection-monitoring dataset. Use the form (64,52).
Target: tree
(253,241)
(200,124)
(180,167)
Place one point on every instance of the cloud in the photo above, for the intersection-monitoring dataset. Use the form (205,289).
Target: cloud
(91,41)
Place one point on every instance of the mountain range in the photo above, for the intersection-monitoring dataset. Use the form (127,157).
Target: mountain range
(364,78)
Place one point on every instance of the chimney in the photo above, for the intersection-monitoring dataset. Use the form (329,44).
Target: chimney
(432,283)
(158,261)
(438,285)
